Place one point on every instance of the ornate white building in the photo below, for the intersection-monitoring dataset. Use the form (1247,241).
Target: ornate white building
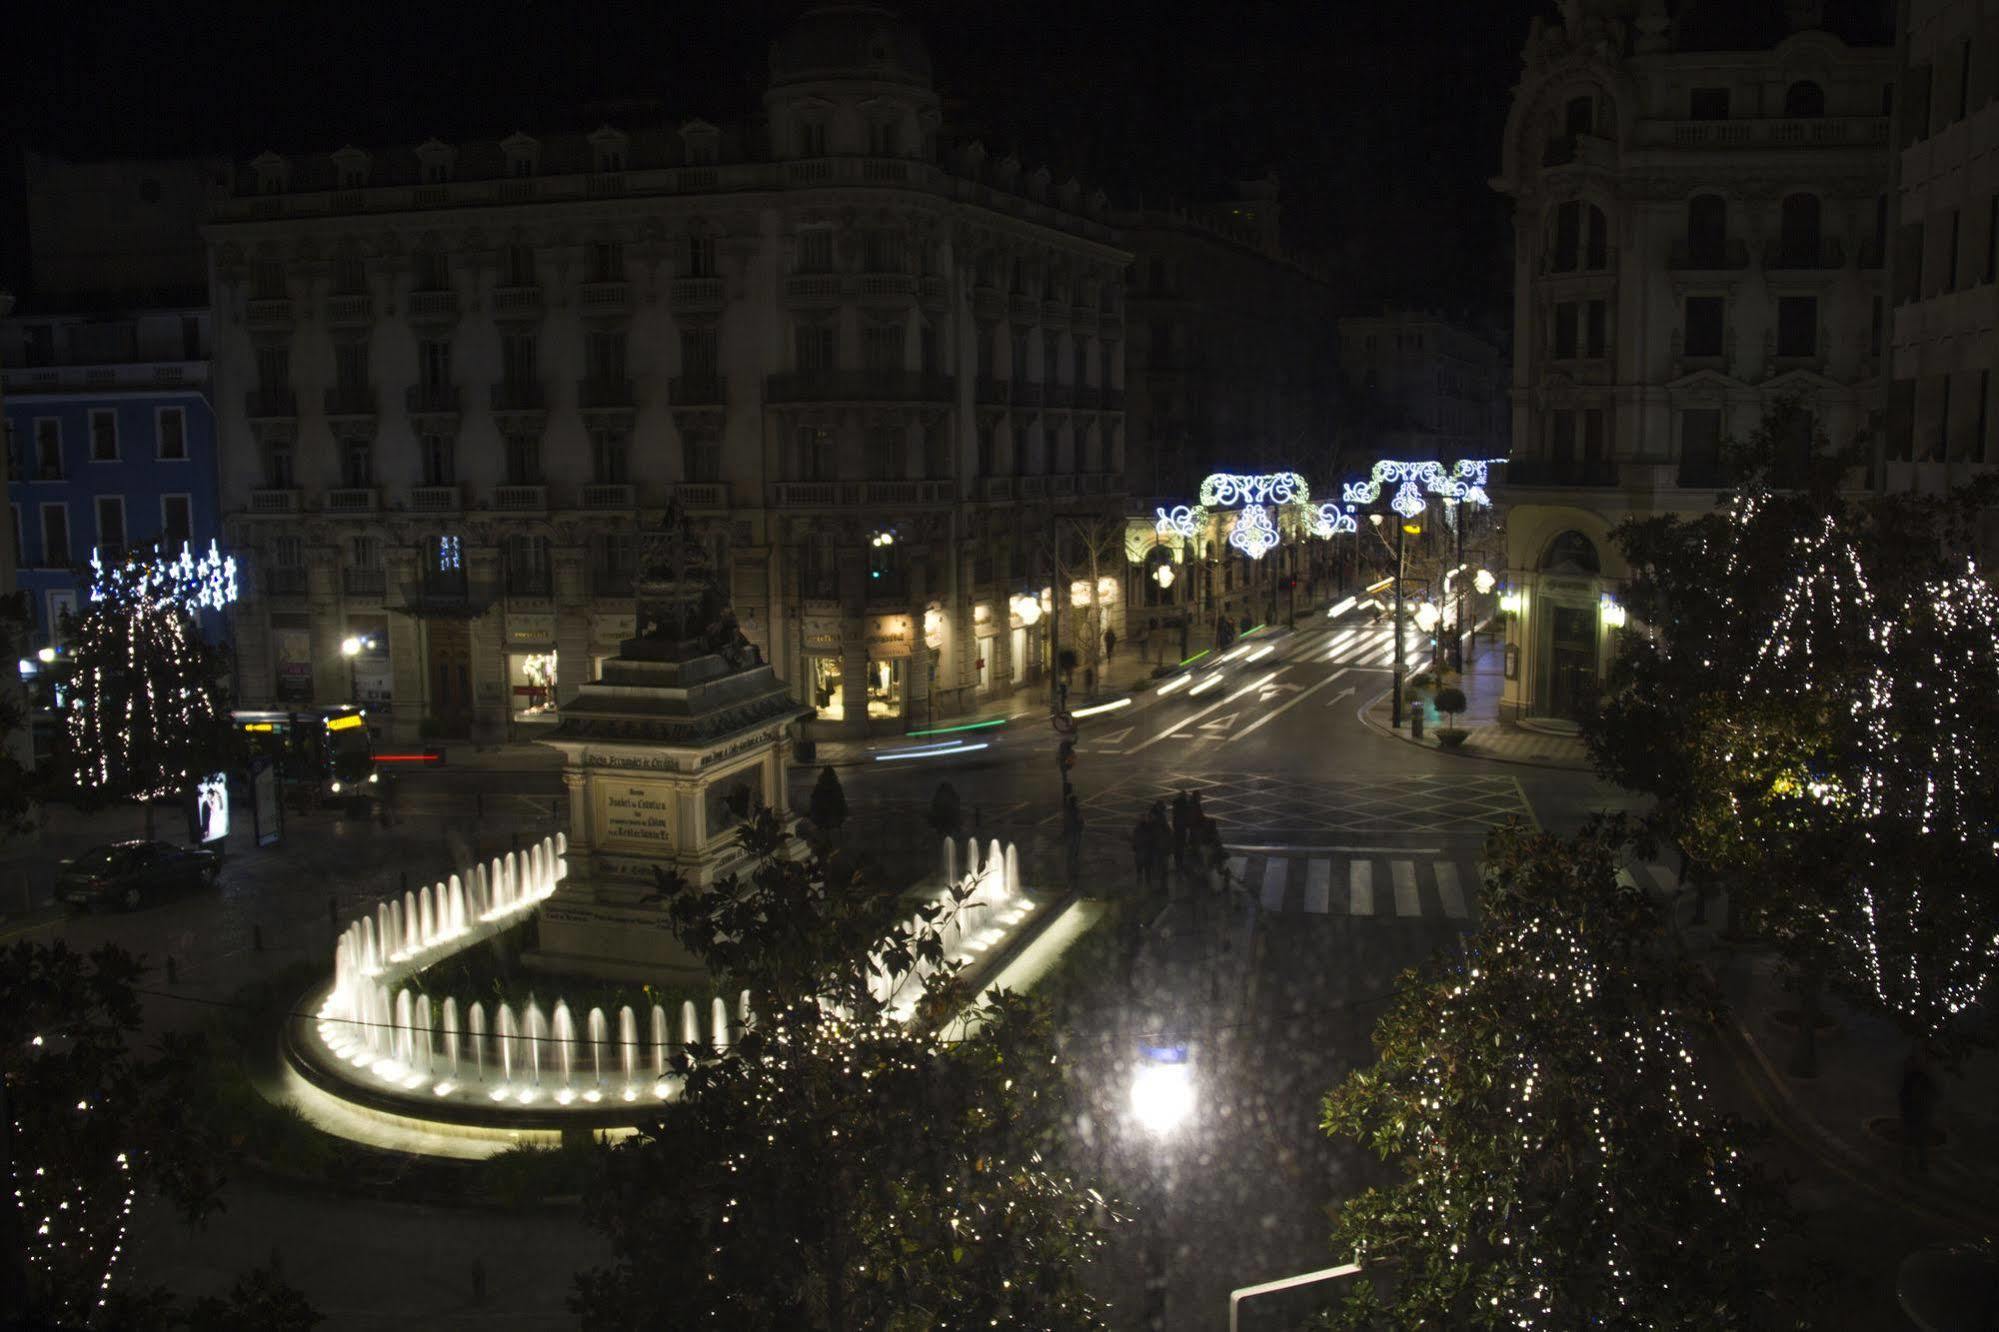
(1699,232)
(453,380)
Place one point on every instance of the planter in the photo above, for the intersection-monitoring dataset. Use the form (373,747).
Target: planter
(1450,737)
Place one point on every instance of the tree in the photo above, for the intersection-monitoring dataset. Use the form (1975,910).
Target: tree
(150,709)
(841,1166)
(85,1124)
(1089,550)
(829,802)
(1450,701)
(1564,1168)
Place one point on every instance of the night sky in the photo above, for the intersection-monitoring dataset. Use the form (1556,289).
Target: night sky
(1382,120)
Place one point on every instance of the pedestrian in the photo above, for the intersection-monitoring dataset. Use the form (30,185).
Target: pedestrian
(1110,644)
(1918,1104)
(1213,854)
(1180,825)
(1162,842)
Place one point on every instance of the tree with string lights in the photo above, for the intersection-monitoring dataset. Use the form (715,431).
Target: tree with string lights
(147,709)
(845,1164)
(1563,1165)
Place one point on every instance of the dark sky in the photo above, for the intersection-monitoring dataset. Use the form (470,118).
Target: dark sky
(1382,119)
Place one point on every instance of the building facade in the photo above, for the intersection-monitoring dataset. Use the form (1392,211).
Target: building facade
(454,381)
(1943,402)
(1423,387)
(1700,232)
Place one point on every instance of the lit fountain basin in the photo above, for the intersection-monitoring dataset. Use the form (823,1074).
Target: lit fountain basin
(372,1040)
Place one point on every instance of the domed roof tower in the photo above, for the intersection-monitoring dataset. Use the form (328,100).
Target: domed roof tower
(850,78)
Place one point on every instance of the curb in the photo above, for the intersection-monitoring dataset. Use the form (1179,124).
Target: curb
(1362,715)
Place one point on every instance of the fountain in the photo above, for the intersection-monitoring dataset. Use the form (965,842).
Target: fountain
(451,1036)
(658,1042)
(510,1044)
(564,1037)
(628,1047)
(599,1038)
(534,1031)
(475,1026)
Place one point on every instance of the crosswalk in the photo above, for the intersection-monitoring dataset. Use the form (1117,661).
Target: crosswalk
(1370,645)
(1386,886)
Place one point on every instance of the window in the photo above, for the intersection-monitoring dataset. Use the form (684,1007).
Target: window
(1992,239)
(815,250)
(520,266)
(520,166)
(278,466)
(926,338)
(517,359)
(817,457)
(1700,443)
(42,345)
(350,274)
(1954,268)
(985,351)
(610,158)
(701,256)
(111,524)
(523,459)
(350,365)
(439,460)
(1594,339)
(176,521)
(20,551)
(1797,325)
(357,464)
(881,346)
(885,251)
(527,565)
(1708,104)
(433,363)
(888,452)
(436,173)
(604,355)
(700,353)
(1705,317)
(1579,116)
(1051,357)
(267,280)
(1874,330)
(1017,369)
(815,347)
(1707,230)
(1081,361)
(882,139)
(988,450)
(701,456)
(610,450)
(1798,240)
(103,436)
(1565,330)
(55,536)
(432,273)
(274,368)
(608,261)
(1562,436)
(1594,442)
(1804,100)
(811,138)
(172,434)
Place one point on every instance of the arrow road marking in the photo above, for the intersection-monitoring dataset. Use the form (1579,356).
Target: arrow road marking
(1269,692)
(1115,737)
(1337,697)
(1275,713)
(1212,707)
(1220,724)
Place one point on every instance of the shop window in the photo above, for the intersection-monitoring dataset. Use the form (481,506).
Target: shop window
(885,687)
(532,678)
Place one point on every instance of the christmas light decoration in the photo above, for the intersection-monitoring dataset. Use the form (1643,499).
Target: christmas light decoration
(1332,519)
(207,583)
(1228,489)
(1181,520)
(1253,534)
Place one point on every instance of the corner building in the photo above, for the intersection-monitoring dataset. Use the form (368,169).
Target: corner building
(1701,224)
(454,381)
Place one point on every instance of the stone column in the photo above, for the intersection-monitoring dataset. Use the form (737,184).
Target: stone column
(582,836)
(572,622)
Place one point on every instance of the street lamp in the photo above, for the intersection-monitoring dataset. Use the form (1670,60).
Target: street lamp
(1408,527)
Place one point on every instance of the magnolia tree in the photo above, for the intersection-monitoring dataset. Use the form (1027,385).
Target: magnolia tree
(1563,1166)
(839,1167)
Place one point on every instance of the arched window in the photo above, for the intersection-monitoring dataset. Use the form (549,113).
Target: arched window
(1707,230)
(1571,552)
(1579,116)
(1581,238)
(1798,242)
(1804,100)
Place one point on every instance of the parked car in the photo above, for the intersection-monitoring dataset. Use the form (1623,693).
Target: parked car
(131,874)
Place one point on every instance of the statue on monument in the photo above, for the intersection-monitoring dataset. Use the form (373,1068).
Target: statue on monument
(679,602)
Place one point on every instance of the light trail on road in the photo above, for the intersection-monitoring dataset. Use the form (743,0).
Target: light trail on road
(1218,703)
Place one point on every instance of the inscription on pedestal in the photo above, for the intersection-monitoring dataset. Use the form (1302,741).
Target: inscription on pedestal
(636,814)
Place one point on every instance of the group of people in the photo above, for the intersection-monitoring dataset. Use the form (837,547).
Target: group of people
(1227,630)
(1187,840)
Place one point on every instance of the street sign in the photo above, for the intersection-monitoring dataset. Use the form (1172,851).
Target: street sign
(1064,724)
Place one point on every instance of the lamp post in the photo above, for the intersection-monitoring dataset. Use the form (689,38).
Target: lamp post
(1402,531)
(350,648)
(1462,513)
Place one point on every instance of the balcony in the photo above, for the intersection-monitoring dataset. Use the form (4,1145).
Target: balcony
(805,494)
(997,488)
(1033,488)
(529,582)
(888,587)
(697,293)
(1061,396)
(1728,255)
(605,496)
(1089,397)
(858,386)
(285,580)
(1822,132)
(1061,487)
(517,302)
(1705,474)
(1825,254)
(893,492)
(988,303)
(435,499)
(1553,472)
(702,494)
(267,314)
(274,502)
(349,309)
(1055,314)
(1579,149)
(604,298)
(363,582)
(1022,308)
(279,404)
(604,393)
(433,306)
(350,400)
(933,291)
(990,392)
(520,499)
(351,500)
(888,288)
(1031,393)
(698,391)
(519,397)
(1113,400)
(432,399)
(817,289)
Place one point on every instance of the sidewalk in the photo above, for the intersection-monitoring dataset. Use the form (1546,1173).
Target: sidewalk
(1488,737)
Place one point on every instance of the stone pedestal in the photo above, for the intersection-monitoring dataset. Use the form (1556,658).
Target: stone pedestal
(653,754)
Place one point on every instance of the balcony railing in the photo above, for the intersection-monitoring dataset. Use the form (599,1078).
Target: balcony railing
(1827,253)
(274,501)
(350,308)
(520,499)
(702,494)
(605,495)
(519,397)
(1022,308)
(604,297)
(1560,472)
(1712,257)
(435,499)
(991,392)
(893,492)
(998,487)
(698,391)
(268,313)
(1827,131)
(350,400)
(812,288)
(887,286)
(270,404)
(600,393)
(433,305)
(364,582)
(858,386)
(516,302)
(432,399)
(806,494)
(354,499)
(697,293)
(285,580)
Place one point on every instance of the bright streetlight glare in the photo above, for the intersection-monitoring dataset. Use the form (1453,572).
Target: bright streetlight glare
(350,647)
(1162,1096)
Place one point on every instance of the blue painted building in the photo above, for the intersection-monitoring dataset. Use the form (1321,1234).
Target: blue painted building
(111,444)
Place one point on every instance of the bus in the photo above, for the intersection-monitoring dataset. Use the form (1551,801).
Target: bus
(321,753)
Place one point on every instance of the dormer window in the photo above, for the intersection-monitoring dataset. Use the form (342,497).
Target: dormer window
(607,150)
(353,177)
(520,167)
(436,173)
(436,160)
(272,172)
(523,155)
(701,142)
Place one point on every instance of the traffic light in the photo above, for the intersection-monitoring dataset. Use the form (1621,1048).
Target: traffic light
(1065,755)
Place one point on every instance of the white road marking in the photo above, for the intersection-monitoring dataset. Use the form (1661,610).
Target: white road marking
(1278,712)
(1238,867)
(1275,875)
(1212,707)
(1360,887)
(1318,885)
(1344,693)
(1115,737)
(1406,901)
(1449,891)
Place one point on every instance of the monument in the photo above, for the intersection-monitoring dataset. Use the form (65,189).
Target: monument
(684,733)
